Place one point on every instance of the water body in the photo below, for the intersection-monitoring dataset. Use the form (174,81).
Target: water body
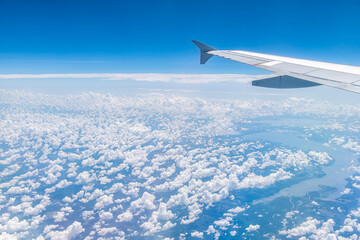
(335,174)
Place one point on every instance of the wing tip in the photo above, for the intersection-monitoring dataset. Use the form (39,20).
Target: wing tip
(204,56)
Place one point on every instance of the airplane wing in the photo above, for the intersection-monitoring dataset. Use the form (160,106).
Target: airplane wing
(290,72)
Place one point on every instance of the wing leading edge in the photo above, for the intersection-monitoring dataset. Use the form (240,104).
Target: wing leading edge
(291,72)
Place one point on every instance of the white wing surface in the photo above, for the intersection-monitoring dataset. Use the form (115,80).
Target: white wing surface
(291,72)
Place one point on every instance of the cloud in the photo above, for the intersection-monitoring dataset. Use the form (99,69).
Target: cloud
(312,227)
(222,223)
(145,202)
(106,231)
(197,234)
(9,170)
(291,213)
(6,236)
(106,215)
(163,213)
(14,225)
(85,178)
(256,181)
(236,210)
(88,215)
(125,217)
(71,232)
(147,77)
(149,162)
(61,215)
(103,201)
(252,228)
(63,184)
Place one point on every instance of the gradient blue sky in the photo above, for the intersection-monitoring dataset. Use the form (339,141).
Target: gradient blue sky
(154,36)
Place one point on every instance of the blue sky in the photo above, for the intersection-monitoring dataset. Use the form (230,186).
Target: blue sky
(154,36)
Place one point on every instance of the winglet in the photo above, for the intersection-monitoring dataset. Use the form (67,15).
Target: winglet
(204,56)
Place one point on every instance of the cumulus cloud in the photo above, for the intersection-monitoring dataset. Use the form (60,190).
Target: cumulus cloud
(222,223)
(9,170)
(197,234)
(153,162)
(312,227)
(85,177)
(7,236)
(63,184)
(14,225)
(236,210)
(256,181)
(60,216)
(125,217)
(106,215)
(103,201)
(88,215)
(144,202)
(71,232)
(107,230)
(252,228)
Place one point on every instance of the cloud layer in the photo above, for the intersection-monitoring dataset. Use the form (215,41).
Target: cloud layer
(148,77)
(95,166)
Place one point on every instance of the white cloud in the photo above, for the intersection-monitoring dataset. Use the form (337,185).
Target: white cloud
(36,221)
(67,199)
(307,227)
(87,215)
(168,225)
(256,181)
(63,184)
(9,170)
(356,213)
(105,231)
(222,223)
(145,202)
(133,164)
(7,236)
(85,177)
(312,227)
(28,209)
(148,77)
(125,217)
(59,217)
(106,215)
(291,213)
(67,209)
(163,213)
(49,228)
(71,232)
(252,228)
(346,191)
(103,201)
(197,234)
(236,210)
(14,225)
(18,190)
(105,180)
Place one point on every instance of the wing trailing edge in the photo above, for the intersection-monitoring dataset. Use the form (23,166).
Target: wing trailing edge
(283,81)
